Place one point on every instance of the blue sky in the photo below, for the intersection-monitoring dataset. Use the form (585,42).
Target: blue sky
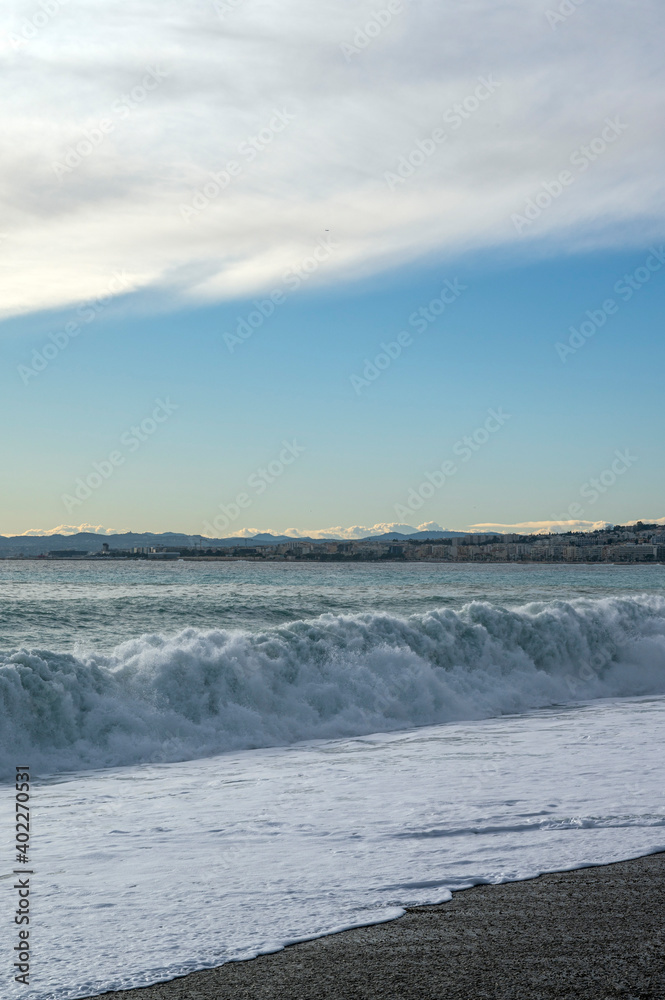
(349,444)
(365,445)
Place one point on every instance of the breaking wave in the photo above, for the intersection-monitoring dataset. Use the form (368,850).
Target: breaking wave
(160,698)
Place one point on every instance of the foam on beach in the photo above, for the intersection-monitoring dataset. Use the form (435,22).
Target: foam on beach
(148,872)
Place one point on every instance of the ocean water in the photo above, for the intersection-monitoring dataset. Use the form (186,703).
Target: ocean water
(228,758)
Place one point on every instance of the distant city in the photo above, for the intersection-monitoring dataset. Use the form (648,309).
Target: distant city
(640,542)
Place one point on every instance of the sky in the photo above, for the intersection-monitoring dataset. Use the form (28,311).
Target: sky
(317,269)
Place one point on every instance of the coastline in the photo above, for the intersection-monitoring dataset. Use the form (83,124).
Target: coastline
(335,561)
(591,934)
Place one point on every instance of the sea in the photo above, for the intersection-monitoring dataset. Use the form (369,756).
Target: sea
(230,757)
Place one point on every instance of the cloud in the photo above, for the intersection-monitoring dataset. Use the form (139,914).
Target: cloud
(365,531)
(540,527)
(145,105)
(355,531)
(70,529)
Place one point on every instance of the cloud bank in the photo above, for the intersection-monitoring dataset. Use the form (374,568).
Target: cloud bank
(70,529)
(540,527)
(203,151)
(553,527)
(355,531)
(365,531)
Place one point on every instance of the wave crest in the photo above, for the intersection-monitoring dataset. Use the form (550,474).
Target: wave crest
(202,692)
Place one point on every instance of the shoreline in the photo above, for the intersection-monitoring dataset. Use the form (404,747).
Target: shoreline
(341,561)
(591,933)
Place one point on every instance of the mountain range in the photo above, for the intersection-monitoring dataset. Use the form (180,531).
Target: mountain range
(88,541)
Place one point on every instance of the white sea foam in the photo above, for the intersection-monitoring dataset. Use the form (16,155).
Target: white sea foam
(202,692)
(148,872)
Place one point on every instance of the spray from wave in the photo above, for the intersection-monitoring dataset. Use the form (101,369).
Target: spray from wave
(204,692)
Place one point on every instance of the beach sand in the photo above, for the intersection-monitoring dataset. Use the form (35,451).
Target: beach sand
(589,934)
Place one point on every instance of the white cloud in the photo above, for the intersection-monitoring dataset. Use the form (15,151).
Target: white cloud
(355,531)
(554,527)
(540,527)
(364,531)
(71,529)
(119,209)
